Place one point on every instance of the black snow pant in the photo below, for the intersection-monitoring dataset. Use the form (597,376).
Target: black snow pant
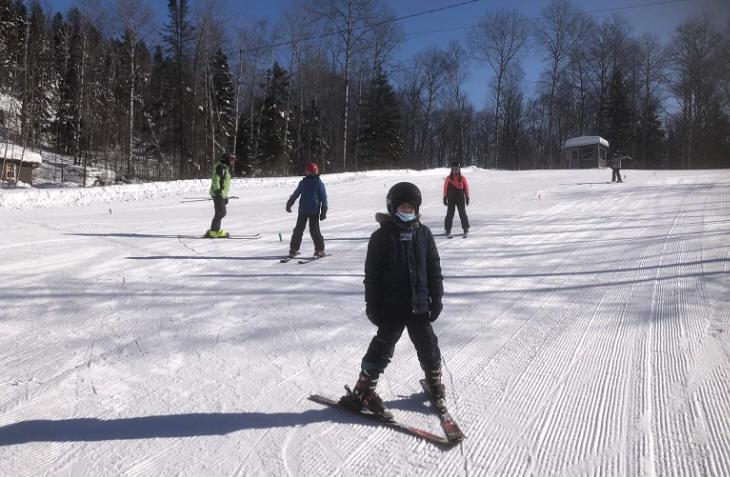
(296,237)
(616,176)
(383,344)
(459,204)
(220,211)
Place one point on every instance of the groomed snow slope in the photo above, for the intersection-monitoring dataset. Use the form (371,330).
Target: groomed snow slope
(585,331)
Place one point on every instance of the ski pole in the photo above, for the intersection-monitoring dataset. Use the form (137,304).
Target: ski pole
(194,199)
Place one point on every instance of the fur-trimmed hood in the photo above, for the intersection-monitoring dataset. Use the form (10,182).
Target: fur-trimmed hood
(383,218)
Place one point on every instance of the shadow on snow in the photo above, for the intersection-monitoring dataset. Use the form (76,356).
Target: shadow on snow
(177,425)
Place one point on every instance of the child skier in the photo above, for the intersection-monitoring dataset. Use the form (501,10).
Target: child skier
(220,188)
(312,208)
(403,289)
(616,168)
(456,195)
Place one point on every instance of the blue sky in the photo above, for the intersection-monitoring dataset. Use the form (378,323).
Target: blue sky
(439,28)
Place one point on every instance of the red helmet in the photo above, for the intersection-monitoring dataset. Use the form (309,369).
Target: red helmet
(311,168)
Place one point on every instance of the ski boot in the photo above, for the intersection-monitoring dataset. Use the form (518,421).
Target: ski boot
(365,397)
(216,234)
(438,390)
(293,253)
(466,233)
(319,254)
(448,234)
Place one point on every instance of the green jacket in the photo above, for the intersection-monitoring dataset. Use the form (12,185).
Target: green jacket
(220,180)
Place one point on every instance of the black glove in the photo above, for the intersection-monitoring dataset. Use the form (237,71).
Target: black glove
(289,203)
(225,201)
(323,214)
(372,314)
(434,310)
(446,202)
(467,201)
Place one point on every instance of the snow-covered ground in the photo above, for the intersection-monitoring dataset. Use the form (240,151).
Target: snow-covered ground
(585,330)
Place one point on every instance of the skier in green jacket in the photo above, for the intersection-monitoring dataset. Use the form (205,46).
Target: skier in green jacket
(220,189)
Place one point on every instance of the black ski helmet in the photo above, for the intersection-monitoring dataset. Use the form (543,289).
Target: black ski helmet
(456,164)
(401,193)
(228,157)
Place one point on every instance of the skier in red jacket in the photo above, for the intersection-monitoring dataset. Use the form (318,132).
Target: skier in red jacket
(456,196)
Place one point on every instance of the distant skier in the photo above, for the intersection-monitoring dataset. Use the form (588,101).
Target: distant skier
(220,189)
(456,196)
(312,208)
(616,168)
(403,289)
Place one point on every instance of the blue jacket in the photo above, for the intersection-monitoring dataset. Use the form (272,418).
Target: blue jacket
(314,196)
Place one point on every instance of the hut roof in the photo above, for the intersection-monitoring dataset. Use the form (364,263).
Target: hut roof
(585,141)
(13,152)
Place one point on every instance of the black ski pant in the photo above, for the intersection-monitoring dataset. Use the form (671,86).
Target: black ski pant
(461,206)
(616,176)
(220,211)
(382,346)
(296,237)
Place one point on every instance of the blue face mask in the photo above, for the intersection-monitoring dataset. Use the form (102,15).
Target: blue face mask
(406,217)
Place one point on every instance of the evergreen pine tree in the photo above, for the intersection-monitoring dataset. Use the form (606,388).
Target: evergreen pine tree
(131,59)
(246,163)
(618,113)
(8,44)
(41,80)
(223,98)
(650,137)
(60,55)
(178,39)
(156,136)
(273,146)
(380,142)
(69,114)
(13,32)
(311,143)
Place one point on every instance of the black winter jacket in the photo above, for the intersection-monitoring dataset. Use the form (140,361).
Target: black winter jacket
(402,276)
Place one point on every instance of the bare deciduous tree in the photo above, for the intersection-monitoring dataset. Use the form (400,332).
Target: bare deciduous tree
(133,18)
(695,54)
(351,21)
(558,31)
(498,39)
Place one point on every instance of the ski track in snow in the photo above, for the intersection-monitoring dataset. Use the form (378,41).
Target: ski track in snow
(585,331)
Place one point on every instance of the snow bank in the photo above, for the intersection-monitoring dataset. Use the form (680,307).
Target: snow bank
(16,199)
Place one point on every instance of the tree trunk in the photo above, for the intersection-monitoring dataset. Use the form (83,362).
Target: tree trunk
(348,52)
(131,105)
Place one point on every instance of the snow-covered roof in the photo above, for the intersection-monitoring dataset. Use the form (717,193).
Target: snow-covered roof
(8,150)
(585,141)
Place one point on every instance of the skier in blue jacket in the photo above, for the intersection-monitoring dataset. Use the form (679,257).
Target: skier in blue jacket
(312,208)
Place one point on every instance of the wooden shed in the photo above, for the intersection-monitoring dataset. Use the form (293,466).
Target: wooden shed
(17,164)
(585,152)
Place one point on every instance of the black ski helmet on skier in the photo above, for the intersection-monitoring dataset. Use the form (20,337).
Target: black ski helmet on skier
(228,157)
(401,193)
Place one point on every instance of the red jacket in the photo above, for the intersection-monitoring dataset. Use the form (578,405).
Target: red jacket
(456,185)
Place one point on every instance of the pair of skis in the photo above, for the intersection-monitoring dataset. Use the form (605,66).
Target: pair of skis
(228,237)
(453,434)
(303,260)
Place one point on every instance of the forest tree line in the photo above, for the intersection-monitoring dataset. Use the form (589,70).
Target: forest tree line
(325,83)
